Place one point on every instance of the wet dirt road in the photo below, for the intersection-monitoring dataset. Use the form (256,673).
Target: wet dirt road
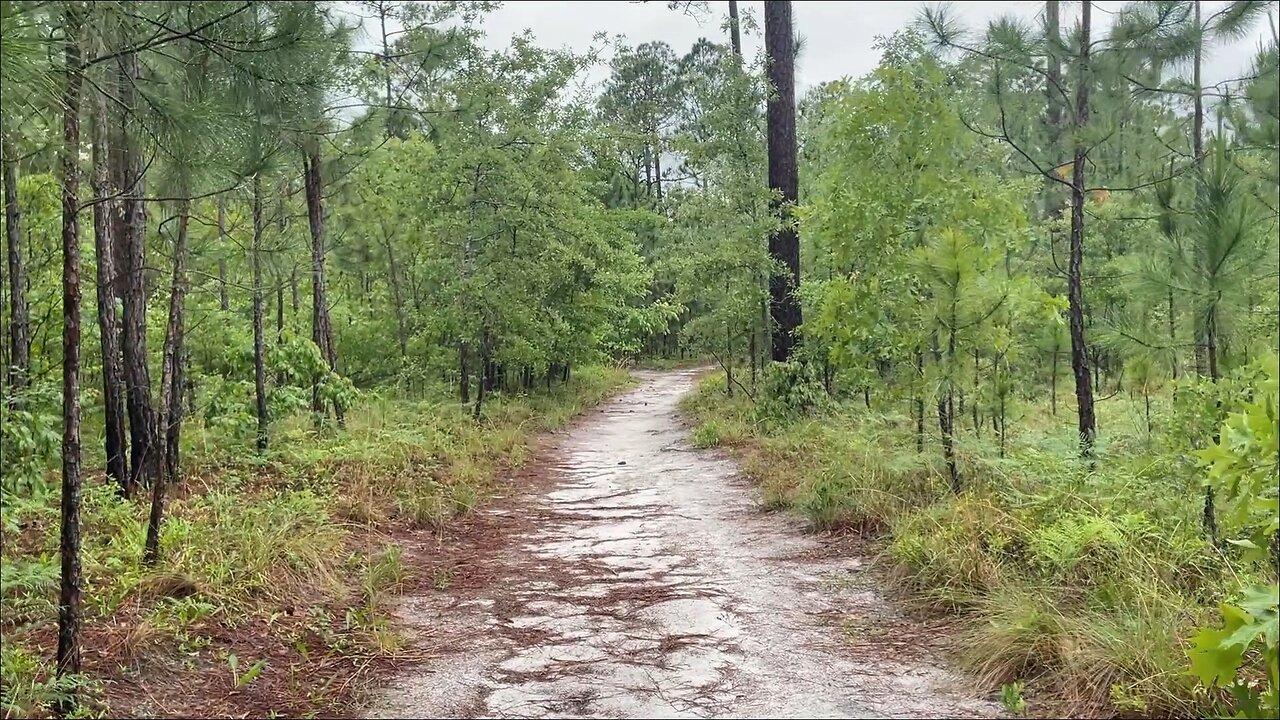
(642,580)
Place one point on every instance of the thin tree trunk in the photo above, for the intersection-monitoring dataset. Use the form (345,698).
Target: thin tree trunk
(143,441)
(1173,340)
(485,362)
(170,390)
(71,582)
(784,244)
(279,309)
(402,332)
(728,360)
(1053,381)
(1053,102)
(19,318)
(321,329)
(464,376)
(113,381)
(735,33)
(1211,342)
(946,409)
(657,165)
(259,343)
(223,301)
(919,402)
(1197,129)
(1086,423)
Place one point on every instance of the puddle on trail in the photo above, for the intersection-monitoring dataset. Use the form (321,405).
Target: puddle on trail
(650,585)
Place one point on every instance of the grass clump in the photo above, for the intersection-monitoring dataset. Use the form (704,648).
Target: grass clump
(283,554)
(1079,586)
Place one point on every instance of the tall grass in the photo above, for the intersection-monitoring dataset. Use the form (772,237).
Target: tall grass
(1085,583)
(294,531)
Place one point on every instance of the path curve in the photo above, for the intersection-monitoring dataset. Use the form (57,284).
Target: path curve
(643,580)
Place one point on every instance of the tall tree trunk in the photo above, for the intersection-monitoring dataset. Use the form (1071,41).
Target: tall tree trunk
(735,32)
(321,330)
(1197,128)
(1075,292)
(224,303)
(919,402)
(784,244)
(1053,381)
(1211,341)
(464,375)
(144,463)
(397,297)
(657,164)
(1053,102)
(68,655)
(19,318)
(113,382)
(946,426)
(170,389)
(1173,340)
(728,360)
(485,363)
(259,342)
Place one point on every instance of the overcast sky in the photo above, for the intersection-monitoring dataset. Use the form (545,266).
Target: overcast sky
(838,36)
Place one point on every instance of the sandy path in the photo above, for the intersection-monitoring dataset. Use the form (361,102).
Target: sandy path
(645,582)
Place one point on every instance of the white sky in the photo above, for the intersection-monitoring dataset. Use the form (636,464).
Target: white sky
(838,36)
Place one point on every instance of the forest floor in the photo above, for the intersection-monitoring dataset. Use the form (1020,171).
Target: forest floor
(625,573)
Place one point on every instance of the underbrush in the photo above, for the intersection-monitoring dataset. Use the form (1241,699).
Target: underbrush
(270,563)
(1083,584)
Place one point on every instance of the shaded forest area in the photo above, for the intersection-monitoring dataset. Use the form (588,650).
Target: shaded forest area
(285,280)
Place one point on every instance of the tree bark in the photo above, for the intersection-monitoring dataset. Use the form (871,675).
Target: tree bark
(259,341)
(321,329)
(113,381)
(1197,129)
(224,303)
(393,275)
(68,654)
(1086,423)
(464,376)
(19,317)
(170,387)
(1053,102)
(144,463)
(735,32)
(784,244)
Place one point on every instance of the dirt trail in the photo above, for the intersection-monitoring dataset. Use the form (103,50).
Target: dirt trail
(642,580)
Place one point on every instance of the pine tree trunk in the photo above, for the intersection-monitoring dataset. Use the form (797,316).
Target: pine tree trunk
(1053,381)
(784,244)
(919,402)
(1197,130)
(19,318)
(143,441)
(1086,423)
(224,303)
(170,388)
(1173,340)
(393,276)
(113,382)
(735,33)
(71,583)
(321,330)
(728,360)
(259,342)
(464,376)
(1053,102)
